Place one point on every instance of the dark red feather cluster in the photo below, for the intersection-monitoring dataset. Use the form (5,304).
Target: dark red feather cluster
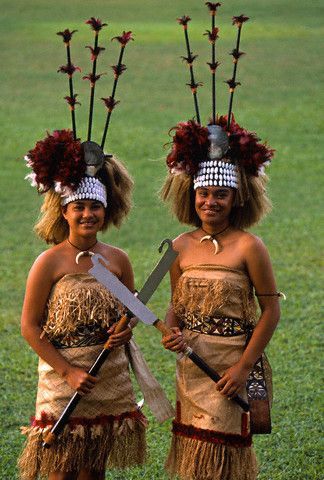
(184,20)
(92,77)
(236,53)
(190,147)
(57,158)
(231,83)
(245,147)
(239,20)
(95,51)
(96,24)
(119,69)
(213,66)
(66,35)
(69,69)
(110,103)
(72,101)
(124,38)
(213,6)
(212,35)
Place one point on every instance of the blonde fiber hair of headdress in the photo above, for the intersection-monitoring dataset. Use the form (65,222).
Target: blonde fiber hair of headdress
(52,226)
(179,193)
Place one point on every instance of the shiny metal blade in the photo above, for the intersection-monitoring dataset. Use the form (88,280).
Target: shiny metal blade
(118,289)
(158,272)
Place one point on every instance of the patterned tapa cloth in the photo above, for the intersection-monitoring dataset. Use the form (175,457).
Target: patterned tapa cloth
(211,435)
(106,428)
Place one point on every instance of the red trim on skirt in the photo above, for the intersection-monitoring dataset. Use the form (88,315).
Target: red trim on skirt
(46,419)
(211,436)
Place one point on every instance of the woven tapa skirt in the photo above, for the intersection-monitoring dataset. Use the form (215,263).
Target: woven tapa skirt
(106,428)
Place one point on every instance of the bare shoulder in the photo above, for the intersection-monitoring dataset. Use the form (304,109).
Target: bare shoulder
(117,253)
(117,257)
(47,259)
(182,242)
(253,252)
(43,272)
(120,264)
(250,243)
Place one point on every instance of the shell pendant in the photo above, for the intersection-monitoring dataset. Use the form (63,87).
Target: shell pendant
(212,239)
(84,253)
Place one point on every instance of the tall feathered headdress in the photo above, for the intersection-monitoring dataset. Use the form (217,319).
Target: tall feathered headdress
(222,152)
(60,161)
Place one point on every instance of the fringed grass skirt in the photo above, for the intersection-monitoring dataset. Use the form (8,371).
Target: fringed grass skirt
(192,459)
(106,428)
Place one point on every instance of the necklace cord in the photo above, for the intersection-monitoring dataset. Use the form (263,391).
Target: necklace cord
(80,249)
(213,235)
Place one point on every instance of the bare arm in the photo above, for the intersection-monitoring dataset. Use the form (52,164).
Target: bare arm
(261,273)
(259,267)
(38,287)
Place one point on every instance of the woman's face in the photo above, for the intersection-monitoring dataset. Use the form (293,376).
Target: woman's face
(213,204)
(85,217)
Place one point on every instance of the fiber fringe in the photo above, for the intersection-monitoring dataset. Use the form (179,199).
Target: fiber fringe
(114,445)
(191,459)
(216,295)
(67,307)
(153,393)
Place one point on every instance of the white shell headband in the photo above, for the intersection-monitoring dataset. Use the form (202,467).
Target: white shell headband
(90,188)
(216,173)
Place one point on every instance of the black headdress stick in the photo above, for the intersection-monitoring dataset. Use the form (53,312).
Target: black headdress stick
(190,59)
(69,69)
(96,26)
(212,37)
(232,83)
(118,69)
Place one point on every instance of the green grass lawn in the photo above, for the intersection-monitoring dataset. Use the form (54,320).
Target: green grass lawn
(280,97)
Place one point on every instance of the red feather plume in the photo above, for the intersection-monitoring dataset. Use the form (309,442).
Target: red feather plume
(245,147)
(190,147)
(57,158)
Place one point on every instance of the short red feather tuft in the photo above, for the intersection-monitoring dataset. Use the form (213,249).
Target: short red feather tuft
(95,24)
(124,38)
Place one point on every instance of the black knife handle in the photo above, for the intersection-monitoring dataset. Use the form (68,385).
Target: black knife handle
(213,375)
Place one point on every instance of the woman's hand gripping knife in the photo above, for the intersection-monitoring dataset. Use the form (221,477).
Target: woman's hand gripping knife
(173,341)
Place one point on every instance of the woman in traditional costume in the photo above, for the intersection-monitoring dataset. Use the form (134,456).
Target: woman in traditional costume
(216,183)
(68,316)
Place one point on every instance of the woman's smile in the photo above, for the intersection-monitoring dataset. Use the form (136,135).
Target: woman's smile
(88,215)
(213,203)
